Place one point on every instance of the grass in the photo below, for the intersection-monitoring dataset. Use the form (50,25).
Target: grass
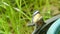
(15,14)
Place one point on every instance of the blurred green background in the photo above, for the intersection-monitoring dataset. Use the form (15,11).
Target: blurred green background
(15,14)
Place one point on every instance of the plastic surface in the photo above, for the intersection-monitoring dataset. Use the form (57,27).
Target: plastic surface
(54,28)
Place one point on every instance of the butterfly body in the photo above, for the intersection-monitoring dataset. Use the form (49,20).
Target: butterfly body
(37,20)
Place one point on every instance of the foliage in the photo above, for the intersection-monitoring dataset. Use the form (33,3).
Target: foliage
(15,14)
